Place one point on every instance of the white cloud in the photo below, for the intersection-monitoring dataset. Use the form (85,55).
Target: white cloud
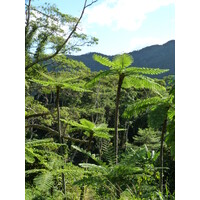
(123,14)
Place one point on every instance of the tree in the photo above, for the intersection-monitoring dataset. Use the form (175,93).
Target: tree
(45,29)
(161,111)
(59,82)
(127,77)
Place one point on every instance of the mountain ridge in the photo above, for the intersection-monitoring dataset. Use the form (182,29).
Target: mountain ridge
(154,56)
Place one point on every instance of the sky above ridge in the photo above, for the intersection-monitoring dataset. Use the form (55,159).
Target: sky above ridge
(122,25)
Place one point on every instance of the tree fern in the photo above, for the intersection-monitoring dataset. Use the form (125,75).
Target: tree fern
(120,66)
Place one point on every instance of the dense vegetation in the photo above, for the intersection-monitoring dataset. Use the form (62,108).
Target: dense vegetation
(93,135)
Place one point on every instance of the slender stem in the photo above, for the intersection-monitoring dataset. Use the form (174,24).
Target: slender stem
(60,136)
(27,17)
(161,154)
(121,78)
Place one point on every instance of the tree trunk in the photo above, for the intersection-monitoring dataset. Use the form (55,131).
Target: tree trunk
(60,136)
(161,154)
(121,78)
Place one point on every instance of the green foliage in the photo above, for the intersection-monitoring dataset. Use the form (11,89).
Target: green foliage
(44,181)
(86,117)
(61,82)
(100,131)
(87,153)
(103,60)
(148,137)
(46,30)
(105,180)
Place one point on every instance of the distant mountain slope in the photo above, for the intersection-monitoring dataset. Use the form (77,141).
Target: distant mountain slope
(155,56)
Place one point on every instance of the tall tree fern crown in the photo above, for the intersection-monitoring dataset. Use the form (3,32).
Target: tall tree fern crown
(122,61)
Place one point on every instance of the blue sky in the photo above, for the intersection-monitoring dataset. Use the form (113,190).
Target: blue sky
(123,25)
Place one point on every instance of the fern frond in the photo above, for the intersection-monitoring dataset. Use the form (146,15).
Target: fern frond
(39,142)
(49,78)
(122,61)
(140,106)
(102,60)
(102,135)
(87,153)
(33,171)
(148,71)
(108,152)
(87,123)
(142,82)
(95,80)
(94,167)
(44,83)
(29,155)
(44,181)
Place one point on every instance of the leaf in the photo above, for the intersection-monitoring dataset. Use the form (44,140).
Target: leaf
(142,82)
(93,81)
(87,123)
(102,60)
(102,135)
(140,106)
(93,167)
(88,154)
(122,61)
(141,70)
(49,78)
(29,155)
(44,181)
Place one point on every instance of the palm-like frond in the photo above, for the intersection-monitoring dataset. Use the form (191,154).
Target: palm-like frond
(100,130)
(142,70)
(49,78)
(62,82)
(108,152)
(87,153)
(142,82)
(122,61)
(95,80)
(102,60)
(87,123)
(29,155)
(140,106)
(94,167)
(44,181)
(102,134)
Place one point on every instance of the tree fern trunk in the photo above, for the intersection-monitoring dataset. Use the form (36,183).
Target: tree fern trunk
(161,154)
(60,136)
(121,78)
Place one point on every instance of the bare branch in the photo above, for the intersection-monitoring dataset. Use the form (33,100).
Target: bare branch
(91,3)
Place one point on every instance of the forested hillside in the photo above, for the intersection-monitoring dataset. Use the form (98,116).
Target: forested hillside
(92,135)
(162,56)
